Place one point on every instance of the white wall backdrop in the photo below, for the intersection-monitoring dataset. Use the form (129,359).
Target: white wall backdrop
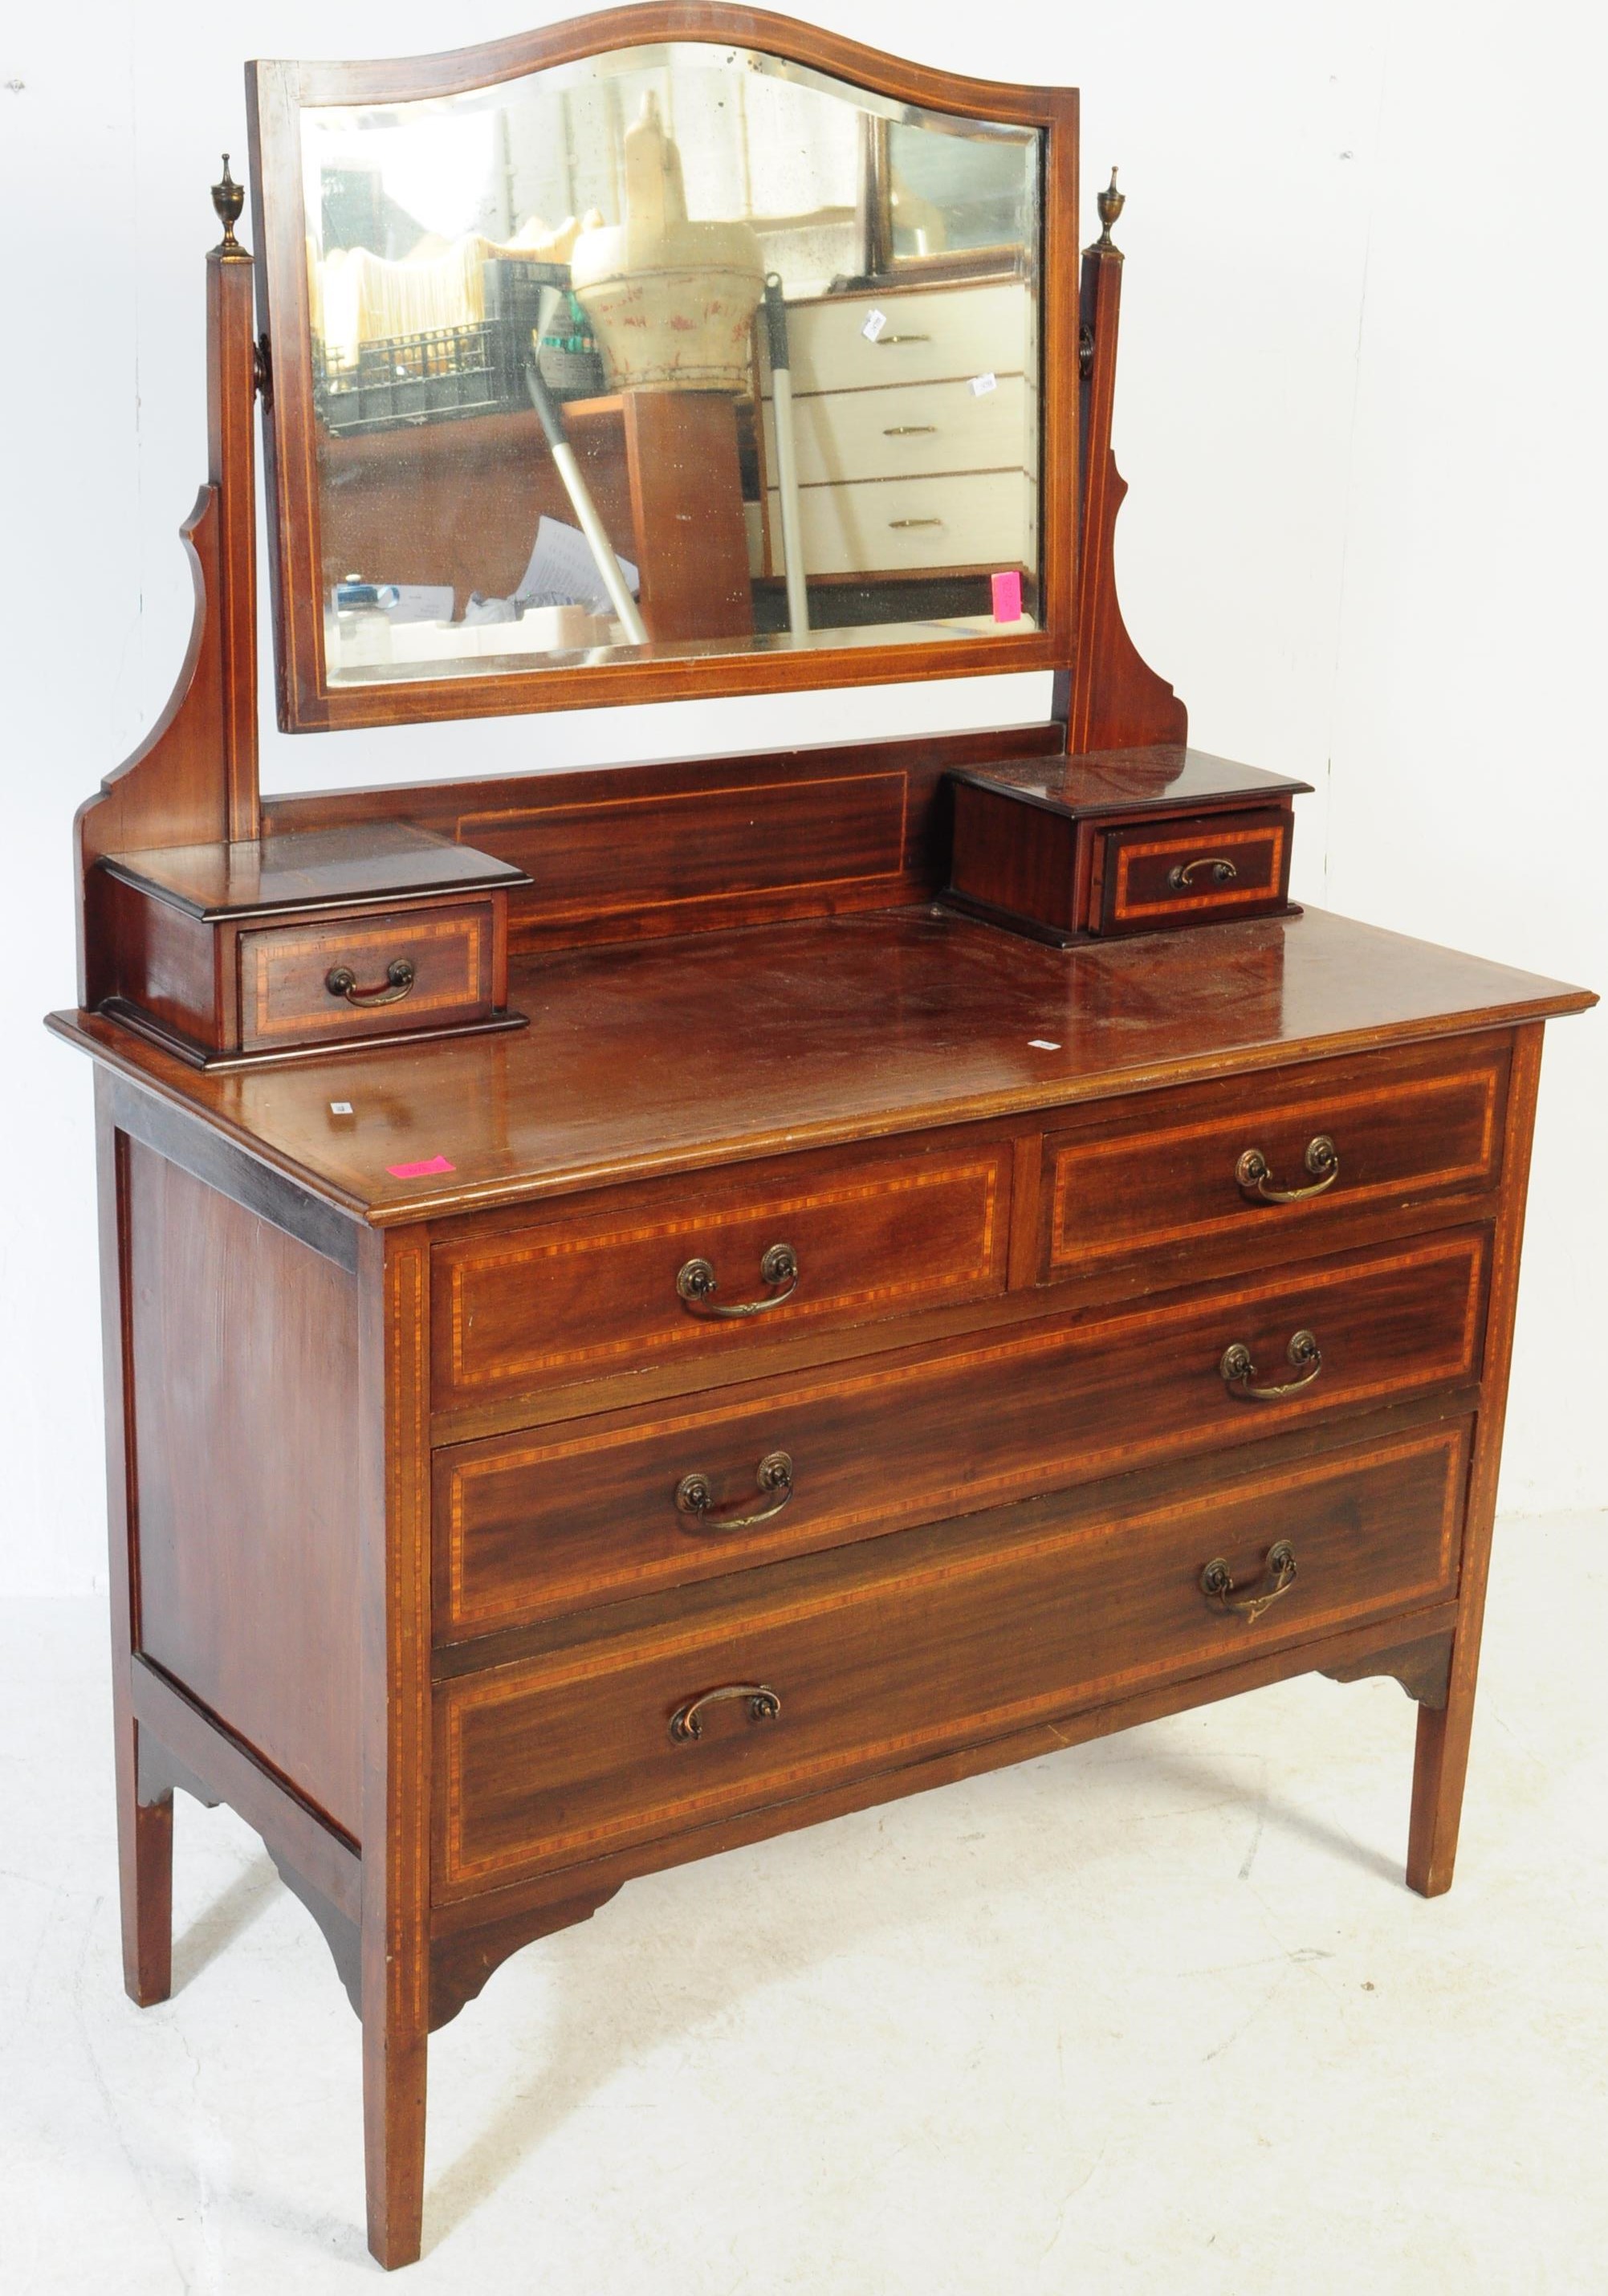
(1359,409)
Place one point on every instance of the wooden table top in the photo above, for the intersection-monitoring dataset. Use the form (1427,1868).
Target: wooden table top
(664,1056)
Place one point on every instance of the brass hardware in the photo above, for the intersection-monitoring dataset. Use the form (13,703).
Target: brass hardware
(898,522)
(229,198)
(262,370)
(911,431)
(763,1706)
(340,980)
(696,1284)
(1223,873)
(1238,1370)
(1322,1160)
(694,1497)
(1111,204)
(1085,352)
(881,340)
(1279,1576)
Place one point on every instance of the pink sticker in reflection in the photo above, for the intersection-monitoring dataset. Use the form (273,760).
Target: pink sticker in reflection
(1007,597)
(425,1171)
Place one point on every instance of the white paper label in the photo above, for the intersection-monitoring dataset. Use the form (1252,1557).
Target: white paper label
(981,384)
(340,1108)
(1041,1045)
(873,326)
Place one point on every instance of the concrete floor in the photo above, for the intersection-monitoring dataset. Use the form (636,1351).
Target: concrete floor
(1153,2015)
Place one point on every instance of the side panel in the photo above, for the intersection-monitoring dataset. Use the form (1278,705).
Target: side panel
(243,1344)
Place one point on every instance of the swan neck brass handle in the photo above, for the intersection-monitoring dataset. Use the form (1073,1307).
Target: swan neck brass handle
(1239,1373)
(1254,1174)
(1182,872)
(697,1284)
(696,1500)
(1279,1576)
(687,1723)
(340,980)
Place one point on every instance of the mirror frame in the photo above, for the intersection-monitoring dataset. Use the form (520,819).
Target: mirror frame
(277,92)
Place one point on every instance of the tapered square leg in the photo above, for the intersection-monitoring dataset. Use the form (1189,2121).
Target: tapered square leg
(393,2137)
(1440,1768)
(144,1873)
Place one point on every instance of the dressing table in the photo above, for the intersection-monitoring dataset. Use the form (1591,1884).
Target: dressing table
(644,1308)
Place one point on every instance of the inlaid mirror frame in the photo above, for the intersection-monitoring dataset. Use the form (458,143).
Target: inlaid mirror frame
(278,91)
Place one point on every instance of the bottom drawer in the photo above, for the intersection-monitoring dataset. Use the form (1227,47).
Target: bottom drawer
(814,1673)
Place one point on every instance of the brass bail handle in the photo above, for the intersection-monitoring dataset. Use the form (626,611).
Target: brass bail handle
(1254,1174)
(340,980)
(695,1499)
(763,1704)
(696,1284)
(1303,1353)
(1221,869)
(1279,1576)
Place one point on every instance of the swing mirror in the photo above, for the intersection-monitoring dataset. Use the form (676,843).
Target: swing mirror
(605,373)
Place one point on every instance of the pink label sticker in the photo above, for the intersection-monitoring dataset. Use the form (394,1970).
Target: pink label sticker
(425,1171)
(1007,597)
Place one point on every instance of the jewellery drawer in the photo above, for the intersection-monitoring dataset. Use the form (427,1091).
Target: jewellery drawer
(703,1266)
(1173,1172)
(589,1512)
(923,337)
(1190,872)
(977,518)
(815,1673)
(366,976)
(918,428)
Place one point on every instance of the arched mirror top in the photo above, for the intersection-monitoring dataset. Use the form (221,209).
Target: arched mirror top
(674,351)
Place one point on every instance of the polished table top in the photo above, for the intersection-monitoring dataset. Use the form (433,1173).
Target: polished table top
(662,1055)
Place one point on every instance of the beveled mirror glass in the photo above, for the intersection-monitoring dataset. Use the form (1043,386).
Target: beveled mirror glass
(671,357)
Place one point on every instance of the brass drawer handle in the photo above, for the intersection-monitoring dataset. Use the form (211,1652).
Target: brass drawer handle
(911,431)
(694,1497)
(763,1706)
(696,1284)
(1238,1370)
(897,524)
(340,980)
(1279,1576)
(1322,1160)
(1182,872)
(883,342)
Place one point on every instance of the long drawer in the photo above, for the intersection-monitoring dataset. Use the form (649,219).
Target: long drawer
(1171,1172)
(816,1673)
(924,335)
(814,1240)
(918,429)
(590,1512)
(900,525)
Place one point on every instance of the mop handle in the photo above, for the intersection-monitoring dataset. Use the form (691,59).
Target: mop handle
(787,467)
(586,509)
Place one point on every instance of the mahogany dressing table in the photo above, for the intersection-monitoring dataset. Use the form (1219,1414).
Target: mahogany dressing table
(646,1308)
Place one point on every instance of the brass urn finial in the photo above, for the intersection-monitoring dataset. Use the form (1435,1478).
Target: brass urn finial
(1111,204)
(229,198)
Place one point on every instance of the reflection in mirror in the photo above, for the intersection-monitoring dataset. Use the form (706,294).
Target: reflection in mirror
(678,351)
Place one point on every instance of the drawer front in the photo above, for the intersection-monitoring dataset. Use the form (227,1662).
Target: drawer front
(1170,1172)
(913,525)
(869,1236)
(1184,872)
(285,996)
(949,334)
(917,431)
(918,1645)
(587,1512)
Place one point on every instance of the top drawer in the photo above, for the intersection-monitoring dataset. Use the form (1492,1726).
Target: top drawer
(705,1265)
(1169,1173)
(930,335)
(366,976)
